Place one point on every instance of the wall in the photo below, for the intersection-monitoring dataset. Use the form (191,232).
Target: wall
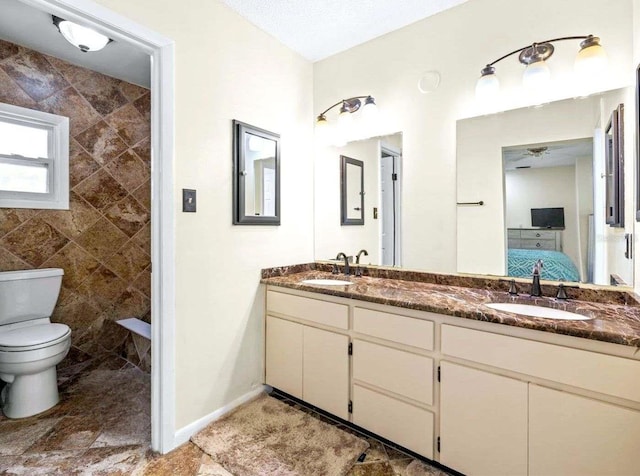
(457,43)
(102,241)
(228,69)
(543,188)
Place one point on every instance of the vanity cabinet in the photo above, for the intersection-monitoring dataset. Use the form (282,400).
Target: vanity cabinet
(483,422)
(478,397)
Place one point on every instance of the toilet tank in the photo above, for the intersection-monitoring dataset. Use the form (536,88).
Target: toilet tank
(28,294)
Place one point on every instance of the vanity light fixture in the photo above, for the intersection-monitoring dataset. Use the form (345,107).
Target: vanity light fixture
(591,61)
(82,37)
(347,107)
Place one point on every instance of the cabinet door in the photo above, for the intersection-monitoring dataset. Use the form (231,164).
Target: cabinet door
(326,371)
(284,355)
(570,434)
(483,422)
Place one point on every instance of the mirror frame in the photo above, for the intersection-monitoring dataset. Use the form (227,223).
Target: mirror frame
(615,169)
(344,220)
(239,175)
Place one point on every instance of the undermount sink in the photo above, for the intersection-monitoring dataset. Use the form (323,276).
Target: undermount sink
(326,282)
(537,311)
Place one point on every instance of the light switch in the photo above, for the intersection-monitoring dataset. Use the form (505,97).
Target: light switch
(188,200)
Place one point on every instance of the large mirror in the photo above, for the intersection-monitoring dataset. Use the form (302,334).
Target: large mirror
(256,176)
(380,180)
(541,175)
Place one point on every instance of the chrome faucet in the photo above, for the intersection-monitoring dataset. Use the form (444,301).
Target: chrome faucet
(361,252)
(536,290)
(347,269)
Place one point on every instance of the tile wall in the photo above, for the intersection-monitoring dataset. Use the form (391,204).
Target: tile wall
(103,241)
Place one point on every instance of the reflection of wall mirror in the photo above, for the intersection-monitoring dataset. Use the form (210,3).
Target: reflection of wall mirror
(351,191)
(381,233)
(541,173)
(256,176)
(614,161)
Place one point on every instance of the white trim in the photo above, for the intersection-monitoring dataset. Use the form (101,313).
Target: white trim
(161,50)
(186,432)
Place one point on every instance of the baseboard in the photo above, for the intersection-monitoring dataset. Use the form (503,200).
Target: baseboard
(184,433)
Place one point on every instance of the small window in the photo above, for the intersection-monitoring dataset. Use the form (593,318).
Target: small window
(34,159)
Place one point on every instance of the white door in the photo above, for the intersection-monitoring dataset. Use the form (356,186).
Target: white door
(326,371)
(284,356)
(574,435)
(390,207)
(483,422)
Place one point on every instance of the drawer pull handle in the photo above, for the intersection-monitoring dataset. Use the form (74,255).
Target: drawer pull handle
(537,245)
(538,235)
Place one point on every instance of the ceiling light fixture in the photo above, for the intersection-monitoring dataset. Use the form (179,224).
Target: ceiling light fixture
(345,118)
(591,61)
(83,38)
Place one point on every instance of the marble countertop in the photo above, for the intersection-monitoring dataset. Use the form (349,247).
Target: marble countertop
(615,323)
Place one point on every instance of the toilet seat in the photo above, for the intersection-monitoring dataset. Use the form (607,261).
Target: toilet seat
(33,337)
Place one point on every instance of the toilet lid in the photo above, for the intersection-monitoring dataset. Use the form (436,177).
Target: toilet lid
(33,335)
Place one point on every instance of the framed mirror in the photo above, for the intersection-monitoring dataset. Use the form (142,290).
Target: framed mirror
(256,175)
(614,162)
(351,191)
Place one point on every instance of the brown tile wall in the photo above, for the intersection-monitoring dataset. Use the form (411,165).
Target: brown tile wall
(103,241)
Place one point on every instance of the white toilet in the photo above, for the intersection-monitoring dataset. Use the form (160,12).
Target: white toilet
(30,344)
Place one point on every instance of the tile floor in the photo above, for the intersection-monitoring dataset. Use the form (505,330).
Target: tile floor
(102,427)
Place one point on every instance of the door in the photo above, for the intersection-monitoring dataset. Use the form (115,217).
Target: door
(574,435)
(390,193)
(284,355)
(326,371)
(483,422)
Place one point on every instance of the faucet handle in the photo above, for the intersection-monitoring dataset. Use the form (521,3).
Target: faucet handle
(335,269)
(513,287)
(562,291)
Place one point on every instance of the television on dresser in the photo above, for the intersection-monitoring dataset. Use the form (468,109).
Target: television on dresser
(552,218)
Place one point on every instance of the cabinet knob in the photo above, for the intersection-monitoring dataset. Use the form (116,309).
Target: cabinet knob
(537,245)
(538,235)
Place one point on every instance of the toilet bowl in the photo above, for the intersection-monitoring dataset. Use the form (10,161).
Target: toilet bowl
(30,344)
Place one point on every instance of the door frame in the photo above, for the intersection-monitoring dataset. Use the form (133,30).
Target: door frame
(397,197)
(162,53)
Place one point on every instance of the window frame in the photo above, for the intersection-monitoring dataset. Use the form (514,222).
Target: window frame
(57,197)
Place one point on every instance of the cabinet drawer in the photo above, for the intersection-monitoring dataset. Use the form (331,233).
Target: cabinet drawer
(602,373)
(538,234)
(513,233)
(314,310)
(400,372)
(404,424)
(538,244)
(514,243)
(400,329)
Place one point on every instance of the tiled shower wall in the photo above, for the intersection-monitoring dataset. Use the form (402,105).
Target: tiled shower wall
(103,241)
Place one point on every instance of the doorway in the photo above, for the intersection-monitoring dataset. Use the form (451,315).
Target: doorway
(390,205)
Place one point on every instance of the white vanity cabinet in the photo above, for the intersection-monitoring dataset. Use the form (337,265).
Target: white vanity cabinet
(478,397)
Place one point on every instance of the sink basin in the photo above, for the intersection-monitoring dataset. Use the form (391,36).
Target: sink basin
(326,282)
(537,311)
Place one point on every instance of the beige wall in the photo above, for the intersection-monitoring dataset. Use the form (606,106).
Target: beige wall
(228,69)
(457,43)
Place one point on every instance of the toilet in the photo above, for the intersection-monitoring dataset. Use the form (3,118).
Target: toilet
(30,344)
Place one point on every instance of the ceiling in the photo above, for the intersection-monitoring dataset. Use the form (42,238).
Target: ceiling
(30,27)
(315,29)
(558,154)
(320,28)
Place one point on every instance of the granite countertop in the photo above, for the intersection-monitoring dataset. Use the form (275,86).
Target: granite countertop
(615,323)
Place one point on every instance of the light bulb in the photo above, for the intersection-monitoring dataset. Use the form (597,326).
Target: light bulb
(370,109)
(82,37)
(536,75)
(323,130)
(592,59)
(488,85)
(345,121)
